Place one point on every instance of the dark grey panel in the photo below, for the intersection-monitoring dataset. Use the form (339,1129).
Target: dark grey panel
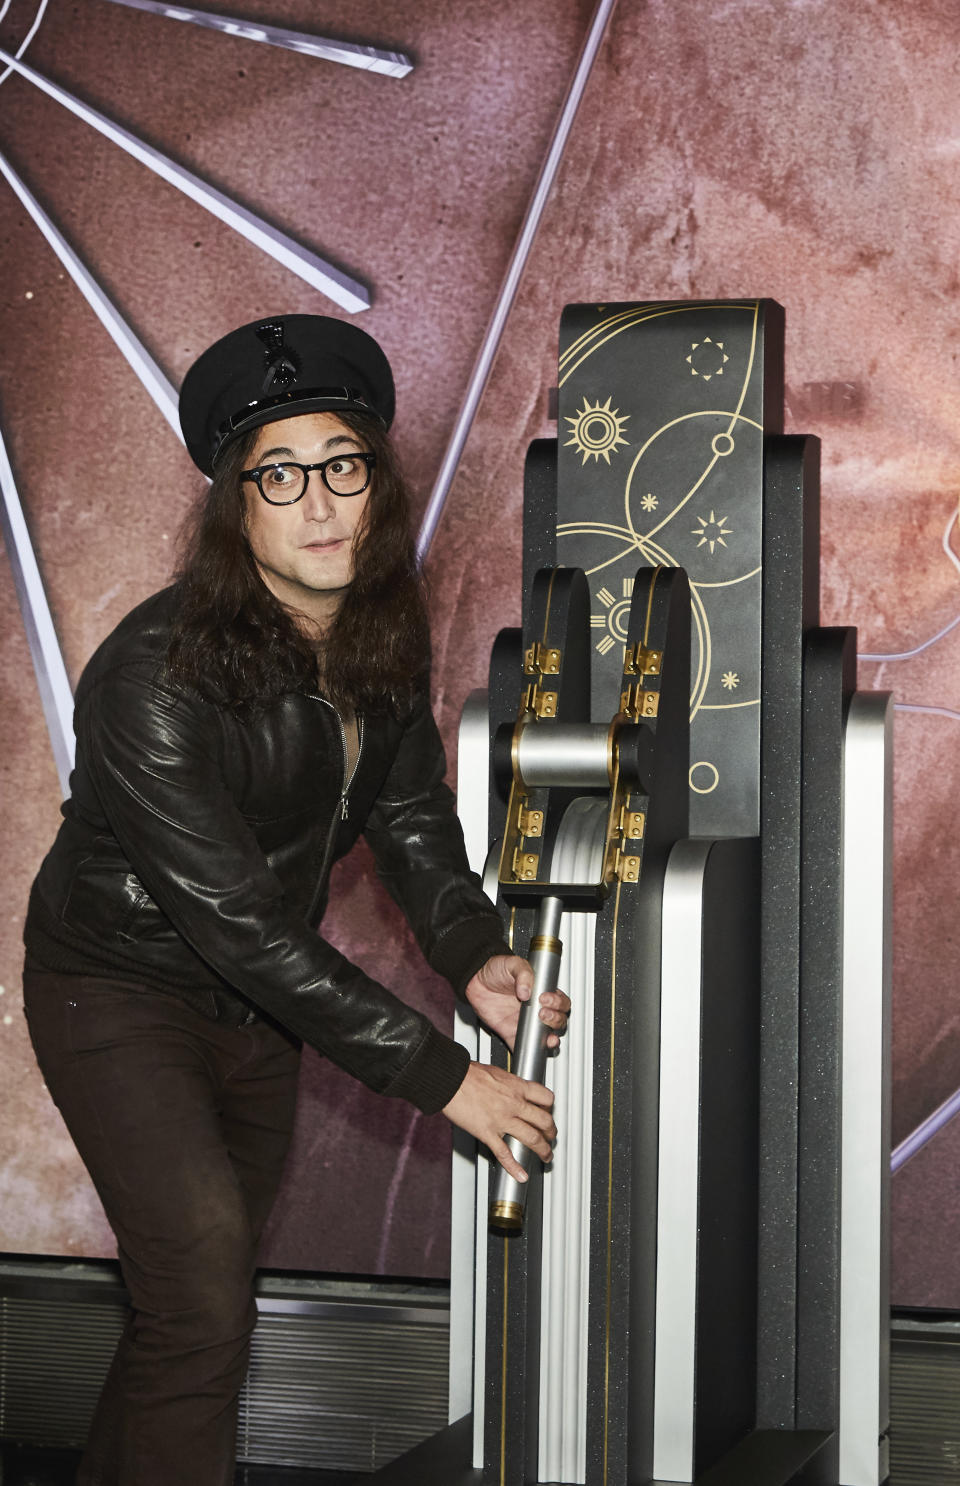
(726,1360)
(662,412)
(829,678)
(790,597)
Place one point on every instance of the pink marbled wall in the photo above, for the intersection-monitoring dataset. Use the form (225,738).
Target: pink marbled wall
(804,151)
(418,187)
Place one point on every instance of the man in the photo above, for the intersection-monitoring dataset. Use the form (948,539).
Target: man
(235,734)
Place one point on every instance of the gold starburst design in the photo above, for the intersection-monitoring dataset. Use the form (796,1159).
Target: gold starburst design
(596,430)
(730,680)
(649,502)
(707,358)
(711,531)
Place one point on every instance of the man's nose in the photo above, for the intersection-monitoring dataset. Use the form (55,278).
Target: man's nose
(317,499)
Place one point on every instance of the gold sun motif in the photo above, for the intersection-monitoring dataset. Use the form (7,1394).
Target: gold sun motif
(597,430)
(614,616)
(711,531)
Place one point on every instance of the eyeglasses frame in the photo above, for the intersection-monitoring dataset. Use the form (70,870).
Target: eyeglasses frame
(256,475)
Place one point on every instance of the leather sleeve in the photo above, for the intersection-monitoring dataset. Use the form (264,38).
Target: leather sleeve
(153,756)
(418,848)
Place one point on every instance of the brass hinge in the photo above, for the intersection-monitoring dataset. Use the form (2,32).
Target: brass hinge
(639,661)
(529,822)
(542,659)
(626,868)
(541,703)
(638,702)
(632,824)
(524,865)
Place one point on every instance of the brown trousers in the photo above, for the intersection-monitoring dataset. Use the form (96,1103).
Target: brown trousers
(183,1124)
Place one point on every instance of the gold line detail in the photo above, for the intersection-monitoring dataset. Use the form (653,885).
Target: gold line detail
(646,626)
(546,616)
(636,316)
(503,1370)
(729,582)
(613,1039)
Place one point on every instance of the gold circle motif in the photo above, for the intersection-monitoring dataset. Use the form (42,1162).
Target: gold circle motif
(618,619)
(705,789)
(604,424)
(722,445)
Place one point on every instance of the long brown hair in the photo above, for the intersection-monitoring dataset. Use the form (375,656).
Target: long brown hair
(233,641)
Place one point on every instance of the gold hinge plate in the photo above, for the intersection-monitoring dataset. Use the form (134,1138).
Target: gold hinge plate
(543,659)
(639,661)
(632,824)
(525,865)
(530,822)
(637,702)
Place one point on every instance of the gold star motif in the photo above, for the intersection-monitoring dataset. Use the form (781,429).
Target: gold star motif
(711,531)
(730,680)
(649,502)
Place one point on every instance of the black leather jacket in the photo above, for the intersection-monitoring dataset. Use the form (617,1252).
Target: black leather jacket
(196,849)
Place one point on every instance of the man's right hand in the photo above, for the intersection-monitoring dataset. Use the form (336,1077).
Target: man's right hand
(492,1103)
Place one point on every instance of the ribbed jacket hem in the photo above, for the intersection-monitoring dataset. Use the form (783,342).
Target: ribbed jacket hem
(434,1073)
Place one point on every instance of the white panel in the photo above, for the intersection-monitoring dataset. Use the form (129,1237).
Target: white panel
(472,773)
(565,1280)
(865,1144)
(679,1159)
(565,1265)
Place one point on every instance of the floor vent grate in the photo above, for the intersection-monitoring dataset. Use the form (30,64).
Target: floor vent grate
(345,1375)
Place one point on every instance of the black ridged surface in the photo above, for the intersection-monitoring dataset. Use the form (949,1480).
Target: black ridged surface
(344,1385)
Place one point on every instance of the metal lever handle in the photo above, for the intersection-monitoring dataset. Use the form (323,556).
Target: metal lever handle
(509,1196)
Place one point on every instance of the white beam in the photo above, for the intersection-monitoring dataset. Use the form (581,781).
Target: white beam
(369,58)
(347,292)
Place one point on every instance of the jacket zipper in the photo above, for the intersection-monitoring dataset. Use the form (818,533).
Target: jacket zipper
(344,793)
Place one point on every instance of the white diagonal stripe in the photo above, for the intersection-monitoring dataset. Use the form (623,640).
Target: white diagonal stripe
(349,293)
(511,282)
(369,58)
(160,389)
(55,694)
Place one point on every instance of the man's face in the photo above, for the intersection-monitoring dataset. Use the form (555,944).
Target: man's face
(305,551)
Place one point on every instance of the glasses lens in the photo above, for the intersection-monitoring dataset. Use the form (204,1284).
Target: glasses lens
(282,483)
(346,475)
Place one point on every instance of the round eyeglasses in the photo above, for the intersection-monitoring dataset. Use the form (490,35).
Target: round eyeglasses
(283,484)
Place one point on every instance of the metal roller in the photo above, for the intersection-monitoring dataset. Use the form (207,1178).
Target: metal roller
(577,756)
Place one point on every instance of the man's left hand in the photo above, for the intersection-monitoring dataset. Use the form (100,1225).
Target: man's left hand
(497,989)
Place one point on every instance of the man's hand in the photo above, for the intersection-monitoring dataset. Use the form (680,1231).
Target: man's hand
(491,1103)
(497,989)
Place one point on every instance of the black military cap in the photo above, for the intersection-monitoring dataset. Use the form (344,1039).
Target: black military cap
(277,368)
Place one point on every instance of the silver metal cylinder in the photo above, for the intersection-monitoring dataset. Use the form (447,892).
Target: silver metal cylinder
(577,857)
(508,1196)
(573,755)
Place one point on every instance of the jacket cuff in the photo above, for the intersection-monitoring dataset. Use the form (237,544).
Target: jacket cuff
(434,1073)
(465,949)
